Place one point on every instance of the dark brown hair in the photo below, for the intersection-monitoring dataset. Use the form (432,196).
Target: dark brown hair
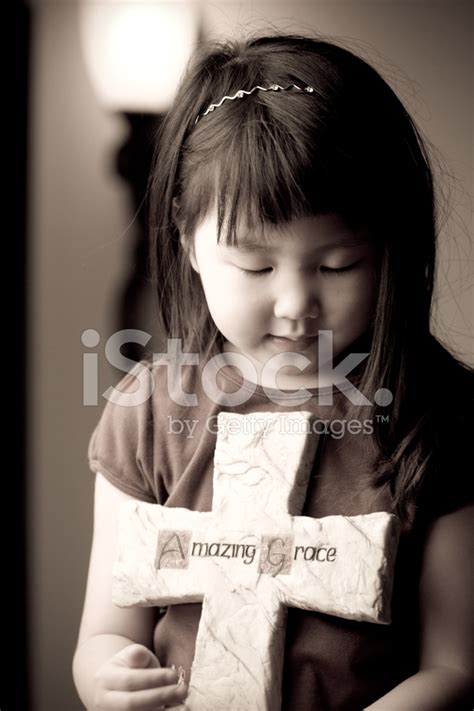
(350,148)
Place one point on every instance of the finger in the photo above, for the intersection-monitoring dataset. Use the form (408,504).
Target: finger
(122,679)
(146,699)
(136,656)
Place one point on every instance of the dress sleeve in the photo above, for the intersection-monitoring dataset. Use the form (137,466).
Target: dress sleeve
(121,445)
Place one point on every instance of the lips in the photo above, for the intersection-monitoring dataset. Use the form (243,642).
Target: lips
(293,344)
(304,337)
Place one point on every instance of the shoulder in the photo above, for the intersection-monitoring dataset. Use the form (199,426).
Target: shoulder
(129,402)
(145,388)
(131,444)
(121,445)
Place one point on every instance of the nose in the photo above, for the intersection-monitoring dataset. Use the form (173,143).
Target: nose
(296,299)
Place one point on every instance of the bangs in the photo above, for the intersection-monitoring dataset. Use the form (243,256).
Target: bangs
(266,170)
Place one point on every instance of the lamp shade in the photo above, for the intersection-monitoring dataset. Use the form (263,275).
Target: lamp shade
(135,51)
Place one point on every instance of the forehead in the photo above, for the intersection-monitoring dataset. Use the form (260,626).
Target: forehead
(321,231)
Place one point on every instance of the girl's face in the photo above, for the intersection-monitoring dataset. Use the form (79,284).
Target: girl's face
(317,274)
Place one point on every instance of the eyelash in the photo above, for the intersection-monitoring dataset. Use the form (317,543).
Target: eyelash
(325,270)
(251,272)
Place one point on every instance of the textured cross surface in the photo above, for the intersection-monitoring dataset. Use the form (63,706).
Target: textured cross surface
(251,558)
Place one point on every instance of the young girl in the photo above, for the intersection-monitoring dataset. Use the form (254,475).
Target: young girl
(293,226)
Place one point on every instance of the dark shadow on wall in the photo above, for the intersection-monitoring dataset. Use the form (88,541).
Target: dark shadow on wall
(15,683)
(134,160)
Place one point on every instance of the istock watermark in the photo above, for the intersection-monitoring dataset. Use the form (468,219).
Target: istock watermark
(334,377)
(249,426)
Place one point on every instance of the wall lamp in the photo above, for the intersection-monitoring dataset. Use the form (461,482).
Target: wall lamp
(135,52)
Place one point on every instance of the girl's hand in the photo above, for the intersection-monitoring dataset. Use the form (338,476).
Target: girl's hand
(133,679)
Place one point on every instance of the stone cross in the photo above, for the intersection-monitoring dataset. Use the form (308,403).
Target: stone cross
(251,558)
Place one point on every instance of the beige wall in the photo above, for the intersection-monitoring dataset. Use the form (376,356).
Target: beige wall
(80,237)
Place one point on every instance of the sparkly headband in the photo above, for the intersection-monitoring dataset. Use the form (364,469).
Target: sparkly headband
(242,92)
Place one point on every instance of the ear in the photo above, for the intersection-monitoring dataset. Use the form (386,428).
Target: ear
(188,249)
(175,209)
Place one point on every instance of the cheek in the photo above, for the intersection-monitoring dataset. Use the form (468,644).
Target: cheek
(353,302)
(226,300)
(229,290)
(213,277)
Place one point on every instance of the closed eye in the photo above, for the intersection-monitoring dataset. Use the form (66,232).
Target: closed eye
(339,270)
(253,272)
(325,270)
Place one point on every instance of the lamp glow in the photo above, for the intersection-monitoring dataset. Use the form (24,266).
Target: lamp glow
(136,50)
